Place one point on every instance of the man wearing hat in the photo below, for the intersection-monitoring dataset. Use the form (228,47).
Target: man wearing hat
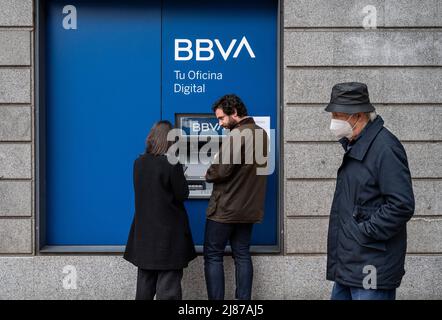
(373,201)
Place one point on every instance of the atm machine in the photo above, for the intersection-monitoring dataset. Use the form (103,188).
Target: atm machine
(200,130)
(200,138)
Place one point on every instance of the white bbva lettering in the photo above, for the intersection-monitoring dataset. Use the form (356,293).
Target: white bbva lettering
(179,49)
(204,126)
(196,127)
(184,52)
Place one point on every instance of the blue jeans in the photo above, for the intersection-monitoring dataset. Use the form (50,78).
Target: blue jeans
(341,292)
(216,237)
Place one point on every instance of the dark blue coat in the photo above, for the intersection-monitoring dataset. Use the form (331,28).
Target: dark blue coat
(372,203)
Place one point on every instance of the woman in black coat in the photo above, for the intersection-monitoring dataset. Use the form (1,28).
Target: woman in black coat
(160,242)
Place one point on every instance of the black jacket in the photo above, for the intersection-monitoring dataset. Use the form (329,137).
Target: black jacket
(160,237)
(372,203)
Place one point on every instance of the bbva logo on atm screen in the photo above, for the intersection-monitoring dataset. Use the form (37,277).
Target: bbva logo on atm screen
(205,126)
(184,49)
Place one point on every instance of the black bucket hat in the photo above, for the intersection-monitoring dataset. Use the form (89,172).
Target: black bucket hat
(350,97)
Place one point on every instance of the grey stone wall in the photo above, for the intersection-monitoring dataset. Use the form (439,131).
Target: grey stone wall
(323,43)
(401,61)
(275,277)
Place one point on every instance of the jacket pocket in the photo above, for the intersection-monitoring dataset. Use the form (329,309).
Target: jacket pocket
(361,213)
(362,239)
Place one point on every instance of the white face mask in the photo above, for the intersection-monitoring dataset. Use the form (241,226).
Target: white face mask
(341,128)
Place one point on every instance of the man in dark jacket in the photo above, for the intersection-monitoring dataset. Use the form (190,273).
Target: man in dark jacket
(237,200)
(373,201)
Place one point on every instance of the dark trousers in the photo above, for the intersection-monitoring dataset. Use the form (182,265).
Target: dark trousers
(215,240)
(165,284)
(341,292)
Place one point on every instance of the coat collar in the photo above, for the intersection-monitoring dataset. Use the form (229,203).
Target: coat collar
(363,142)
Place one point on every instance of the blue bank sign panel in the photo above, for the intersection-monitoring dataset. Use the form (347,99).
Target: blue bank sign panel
(201,125)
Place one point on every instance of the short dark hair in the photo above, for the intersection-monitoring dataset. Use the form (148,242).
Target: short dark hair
(229,103)
(156,141)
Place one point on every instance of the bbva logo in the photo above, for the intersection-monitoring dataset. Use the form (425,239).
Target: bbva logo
(204,49)
(205,126)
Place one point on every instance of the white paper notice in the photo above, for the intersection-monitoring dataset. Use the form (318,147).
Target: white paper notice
(263,122)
